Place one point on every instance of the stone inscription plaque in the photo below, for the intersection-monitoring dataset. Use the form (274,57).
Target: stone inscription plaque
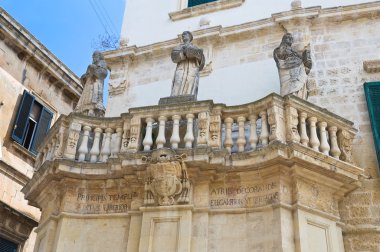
(244,195)
(86,202)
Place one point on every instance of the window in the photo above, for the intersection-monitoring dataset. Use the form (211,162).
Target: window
(372,92)
(192,3)
(7,246)
(32,123)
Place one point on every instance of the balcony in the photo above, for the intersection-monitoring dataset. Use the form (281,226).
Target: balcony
(230,136)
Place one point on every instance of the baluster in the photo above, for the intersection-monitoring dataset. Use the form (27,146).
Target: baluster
(160,140)
(335,151)
(116,148)
(106,146)
(241,136)
(189,136)
(314,141)
(83,148)
(304,137)
(148,141)
(324,147)
(253,139)
(228,141)
(174,140)
(95,150)
(264,129)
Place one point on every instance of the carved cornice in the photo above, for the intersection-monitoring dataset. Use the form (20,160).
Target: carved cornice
(11,172)
(22,38)
(127,164)
(204,8)
(15,225)
(372,66)
(336,14)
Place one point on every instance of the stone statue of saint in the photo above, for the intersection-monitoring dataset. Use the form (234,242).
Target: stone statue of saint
(293,68)
(91,101)
(190,60)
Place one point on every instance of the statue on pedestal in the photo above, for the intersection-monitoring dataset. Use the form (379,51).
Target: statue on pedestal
(91,101)
(190,61)
(293,68)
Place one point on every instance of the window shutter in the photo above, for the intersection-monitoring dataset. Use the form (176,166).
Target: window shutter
(43,126)
(7,246)
(372,92)
(198,2)
(21,122)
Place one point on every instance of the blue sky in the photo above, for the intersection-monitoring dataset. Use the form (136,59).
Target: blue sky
(68,28)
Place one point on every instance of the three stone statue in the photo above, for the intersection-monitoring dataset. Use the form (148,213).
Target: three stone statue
(91,101)
(293,69)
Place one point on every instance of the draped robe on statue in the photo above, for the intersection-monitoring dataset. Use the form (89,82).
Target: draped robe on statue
(293,77)
(190,60)
(293,68)
(91,101)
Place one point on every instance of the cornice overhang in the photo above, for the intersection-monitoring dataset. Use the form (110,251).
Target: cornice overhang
(315,14)
(199,160)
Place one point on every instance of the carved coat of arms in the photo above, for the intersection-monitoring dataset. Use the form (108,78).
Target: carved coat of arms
(166,182)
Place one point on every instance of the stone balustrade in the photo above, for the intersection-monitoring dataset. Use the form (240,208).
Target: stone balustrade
(82,138)
(235,129)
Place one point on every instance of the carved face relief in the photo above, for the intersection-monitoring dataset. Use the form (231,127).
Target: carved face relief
(187,37)
(288,39)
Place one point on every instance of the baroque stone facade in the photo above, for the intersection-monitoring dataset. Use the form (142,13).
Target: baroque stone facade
(249,171)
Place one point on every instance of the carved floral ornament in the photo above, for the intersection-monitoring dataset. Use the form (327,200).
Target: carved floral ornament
(166,181)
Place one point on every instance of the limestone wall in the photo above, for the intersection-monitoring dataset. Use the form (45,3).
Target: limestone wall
(243,70)
(147,22)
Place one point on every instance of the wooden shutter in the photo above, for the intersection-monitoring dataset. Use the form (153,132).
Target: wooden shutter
(22,117)
(43,126)
(198,2)
(372,92)
(7,246)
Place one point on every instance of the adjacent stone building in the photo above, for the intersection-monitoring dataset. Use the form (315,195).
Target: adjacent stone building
(35,89)
(239,169)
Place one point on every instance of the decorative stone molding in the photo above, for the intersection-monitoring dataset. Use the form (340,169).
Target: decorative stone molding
(15,225)
(204,8)
(371,66)
(167,182)
(317,14)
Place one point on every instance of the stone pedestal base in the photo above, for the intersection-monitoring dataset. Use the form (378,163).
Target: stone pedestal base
(177,99)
